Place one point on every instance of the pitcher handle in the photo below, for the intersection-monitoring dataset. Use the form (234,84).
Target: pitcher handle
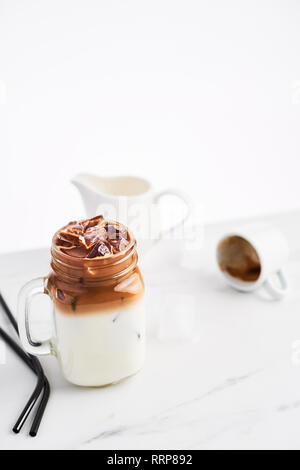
(181,195)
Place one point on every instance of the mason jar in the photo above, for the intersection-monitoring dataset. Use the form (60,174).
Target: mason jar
(98,315)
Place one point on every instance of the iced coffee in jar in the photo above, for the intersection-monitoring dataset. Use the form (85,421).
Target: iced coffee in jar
(98,295)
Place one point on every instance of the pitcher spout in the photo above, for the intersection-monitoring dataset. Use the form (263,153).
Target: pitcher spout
(108,194)
(87,187)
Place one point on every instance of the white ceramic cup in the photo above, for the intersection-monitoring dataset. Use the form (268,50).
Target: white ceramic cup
(272,250)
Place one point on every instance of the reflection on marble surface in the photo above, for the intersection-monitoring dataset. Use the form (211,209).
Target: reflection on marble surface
(234,383)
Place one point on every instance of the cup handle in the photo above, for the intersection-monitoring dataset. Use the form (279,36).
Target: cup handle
(27,293)
(277,292)
(181,195)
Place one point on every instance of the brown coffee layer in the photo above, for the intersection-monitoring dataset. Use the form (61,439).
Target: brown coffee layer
(79,299)
(94,268)
(239,259)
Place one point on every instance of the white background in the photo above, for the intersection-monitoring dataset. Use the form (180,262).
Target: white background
(200,95)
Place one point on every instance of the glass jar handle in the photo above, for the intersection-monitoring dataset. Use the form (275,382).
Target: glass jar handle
(27,293)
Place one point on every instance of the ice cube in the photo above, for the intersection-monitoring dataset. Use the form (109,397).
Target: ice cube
(101,249)
(92,236)
(92,222)
(116,232)
(119,245)
(61,241)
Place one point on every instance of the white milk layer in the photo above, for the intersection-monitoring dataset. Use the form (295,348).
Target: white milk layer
(101,348)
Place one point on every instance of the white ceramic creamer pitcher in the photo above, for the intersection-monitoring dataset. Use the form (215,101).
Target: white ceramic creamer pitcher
(131,201)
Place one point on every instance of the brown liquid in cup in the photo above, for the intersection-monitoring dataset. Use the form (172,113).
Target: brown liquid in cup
(94,268)
(238,258)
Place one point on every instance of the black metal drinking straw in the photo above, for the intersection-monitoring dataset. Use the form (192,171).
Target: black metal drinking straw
(35,366)
(39,387)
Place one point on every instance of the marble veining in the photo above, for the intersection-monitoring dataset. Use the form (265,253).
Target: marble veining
(225,378)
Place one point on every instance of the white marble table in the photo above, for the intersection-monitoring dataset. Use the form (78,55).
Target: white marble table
(234,384)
